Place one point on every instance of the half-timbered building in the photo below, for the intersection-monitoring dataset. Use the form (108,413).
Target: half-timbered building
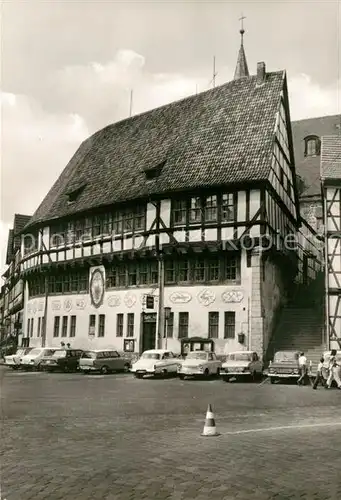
(331,183)
(179,222)
(12,292)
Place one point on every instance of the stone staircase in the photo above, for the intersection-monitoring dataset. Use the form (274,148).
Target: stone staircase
(300,324)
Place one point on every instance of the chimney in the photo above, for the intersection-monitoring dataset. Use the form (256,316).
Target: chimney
(261,73)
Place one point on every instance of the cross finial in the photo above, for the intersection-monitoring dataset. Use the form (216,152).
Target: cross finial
(241,19)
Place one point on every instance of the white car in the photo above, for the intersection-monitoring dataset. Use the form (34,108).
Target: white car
(13,361)
(199,363)
(242,364)
(34,357)
(156,362)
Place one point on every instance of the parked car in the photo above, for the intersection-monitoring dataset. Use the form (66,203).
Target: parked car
(284,366)
(156,362)
(33,359)
(199,363)
(13,361)
(242,364)
(103,361)
(65,360)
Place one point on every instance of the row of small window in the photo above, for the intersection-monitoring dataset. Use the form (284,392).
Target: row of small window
(201,210)
(186,270)
(183,325)
(194,210)
(97,325)
(63,283)
(199,270)
(66,327)
(128,220)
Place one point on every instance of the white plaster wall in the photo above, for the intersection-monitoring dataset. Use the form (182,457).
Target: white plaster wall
(198,301)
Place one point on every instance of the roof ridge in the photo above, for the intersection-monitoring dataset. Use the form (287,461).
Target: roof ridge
(183,99)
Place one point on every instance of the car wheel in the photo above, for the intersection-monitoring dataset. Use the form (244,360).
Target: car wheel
(272,380)
(218,372)
(182,377)
(207,372)
(104,370)
(126,368)
(164,373)
(66,369)
(138,375)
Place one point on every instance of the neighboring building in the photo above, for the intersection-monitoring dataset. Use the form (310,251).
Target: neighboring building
(175,204)
(12,295)
(307,149)
(331,184)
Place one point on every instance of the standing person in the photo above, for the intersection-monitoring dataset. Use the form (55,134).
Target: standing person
(319,375)
(302,364)
(334,372)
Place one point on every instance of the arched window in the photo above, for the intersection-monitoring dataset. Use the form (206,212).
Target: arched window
(312,145)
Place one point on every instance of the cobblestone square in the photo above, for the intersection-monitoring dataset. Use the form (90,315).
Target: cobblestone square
(114,437)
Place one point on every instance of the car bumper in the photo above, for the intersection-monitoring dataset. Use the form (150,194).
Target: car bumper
(27,366)
(284,375)
(89,369)
(144,372)
(235,374)
(191,372)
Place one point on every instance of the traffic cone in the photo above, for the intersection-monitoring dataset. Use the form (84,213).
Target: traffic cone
(209,427)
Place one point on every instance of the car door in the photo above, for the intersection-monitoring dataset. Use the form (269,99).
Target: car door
(116,361)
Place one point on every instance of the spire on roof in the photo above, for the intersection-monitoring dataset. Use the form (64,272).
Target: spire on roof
(241,68)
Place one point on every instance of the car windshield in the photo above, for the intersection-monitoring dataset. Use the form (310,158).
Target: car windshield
(89,355)
(35,352)
(240,357)
(59,354)
(150,355)
(20,352)
(282,357)
(197,355)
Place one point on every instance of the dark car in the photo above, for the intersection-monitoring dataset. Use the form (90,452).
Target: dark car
(65,360)
(284,366)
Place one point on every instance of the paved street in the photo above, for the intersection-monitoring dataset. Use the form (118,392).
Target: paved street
(114,437)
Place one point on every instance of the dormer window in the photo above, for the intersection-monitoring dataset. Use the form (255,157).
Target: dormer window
(74,194)
(154,172)
(312,145)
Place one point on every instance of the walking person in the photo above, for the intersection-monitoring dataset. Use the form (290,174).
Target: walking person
(319,375)
(302,365)
(334,372)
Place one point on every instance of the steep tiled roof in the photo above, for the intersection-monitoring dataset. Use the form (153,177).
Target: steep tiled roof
(221,136)
(309,167)
(331,157)
(9,251)
(20,221)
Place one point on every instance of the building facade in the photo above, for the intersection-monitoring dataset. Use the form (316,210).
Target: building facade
(307,136)
(12,292)
(192,207)
(331,183)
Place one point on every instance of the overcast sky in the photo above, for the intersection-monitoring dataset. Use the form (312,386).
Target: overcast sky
(68,68)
